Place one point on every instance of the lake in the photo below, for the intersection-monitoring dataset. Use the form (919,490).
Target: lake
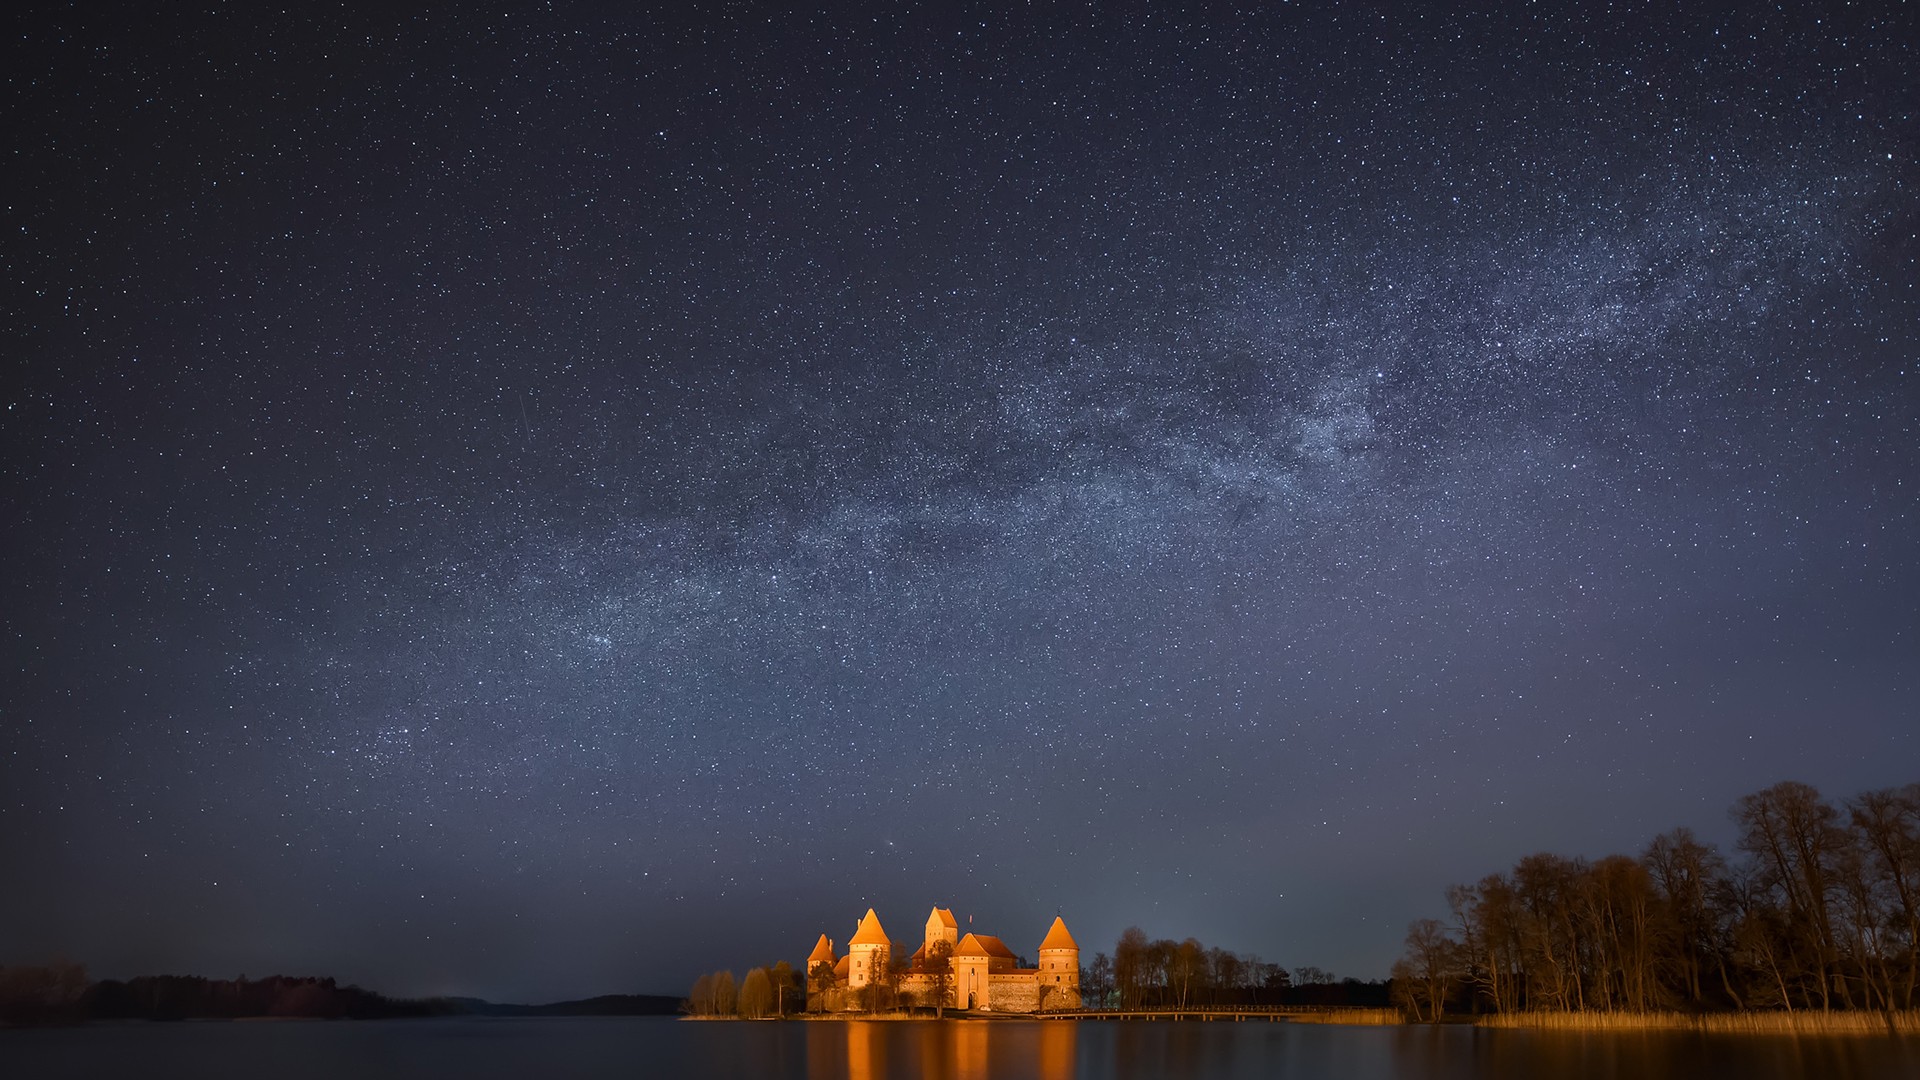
(956,1050)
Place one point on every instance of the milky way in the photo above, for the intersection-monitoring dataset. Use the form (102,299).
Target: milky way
(546,505)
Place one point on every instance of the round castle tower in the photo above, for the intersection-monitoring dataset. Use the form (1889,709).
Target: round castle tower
(1059,968)
(869,950)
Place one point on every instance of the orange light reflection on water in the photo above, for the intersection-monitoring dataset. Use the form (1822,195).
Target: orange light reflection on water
(951,1050)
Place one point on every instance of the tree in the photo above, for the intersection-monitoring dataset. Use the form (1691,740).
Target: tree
(1685,874)
(1793,835)
(1186,965)
(723,993)
(820,979)
(700,999)
(1426,974)
(1159,968)
(1822,911)
(1545,891)
(1489,918)
(1227,971)
(1097,981)
(1887,825)
(1252,969)
(784,986)
(937,966)
(756,995)
(1129,967)
(881,993)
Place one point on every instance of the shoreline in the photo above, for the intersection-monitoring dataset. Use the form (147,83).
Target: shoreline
(1897,1023)
(1902,1024)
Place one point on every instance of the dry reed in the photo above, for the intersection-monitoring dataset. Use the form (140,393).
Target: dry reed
(1359,1017)
(1737,1023)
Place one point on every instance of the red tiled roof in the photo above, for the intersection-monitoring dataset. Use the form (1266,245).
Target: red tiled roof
(983,945)
(1058,938)
(821,951)
(945,915)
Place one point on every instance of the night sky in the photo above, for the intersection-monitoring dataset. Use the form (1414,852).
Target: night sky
(543,504)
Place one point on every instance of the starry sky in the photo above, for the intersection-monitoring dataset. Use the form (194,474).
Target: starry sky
(535,502)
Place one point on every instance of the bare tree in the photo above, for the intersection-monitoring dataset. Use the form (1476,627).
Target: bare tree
(1186,965)
(1228,971)
(1159,969)
(723,993)
(1546,887)
(1130,967)
(756,995)
(937,966)
(1429,969)
(700,999)
(784,986)
(1794,836)
(1097,981)
(1887,824)
(882,991)
(1684,872)
(1821,912)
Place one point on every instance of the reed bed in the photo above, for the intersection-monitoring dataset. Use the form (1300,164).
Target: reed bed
(1357,1017)
(1738,1023)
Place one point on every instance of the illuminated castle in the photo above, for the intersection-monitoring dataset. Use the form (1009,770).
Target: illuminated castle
(985,975)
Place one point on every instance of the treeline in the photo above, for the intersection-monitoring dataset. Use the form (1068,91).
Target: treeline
(61,993)
(1819,909)
(1163,973)
(764,992)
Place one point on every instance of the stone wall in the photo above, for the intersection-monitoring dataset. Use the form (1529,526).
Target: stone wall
(1015,992)
(1057,996)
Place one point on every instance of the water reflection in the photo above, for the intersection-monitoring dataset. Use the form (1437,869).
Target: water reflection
(1021,1050)
(959,1050)
(623,1049)
(969,1051)
(1057,1044)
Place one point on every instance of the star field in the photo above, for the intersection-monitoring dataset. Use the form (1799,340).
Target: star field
(539,503)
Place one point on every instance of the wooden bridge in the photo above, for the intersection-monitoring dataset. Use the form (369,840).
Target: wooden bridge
(1273,1013)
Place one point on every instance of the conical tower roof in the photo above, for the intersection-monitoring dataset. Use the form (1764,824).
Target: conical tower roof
(1058,938)
(870,932)
(821,951)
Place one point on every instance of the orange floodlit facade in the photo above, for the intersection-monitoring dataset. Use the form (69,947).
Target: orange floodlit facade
(983,973)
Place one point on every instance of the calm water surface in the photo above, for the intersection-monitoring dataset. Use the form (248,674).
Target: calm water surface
(971,1050)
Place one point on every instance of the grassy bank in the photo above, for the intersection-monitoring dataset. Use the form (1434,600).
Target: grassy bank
(1742,1023)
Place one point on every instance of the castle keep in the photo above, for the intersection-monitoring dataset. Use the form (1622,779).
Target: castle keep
(970,971)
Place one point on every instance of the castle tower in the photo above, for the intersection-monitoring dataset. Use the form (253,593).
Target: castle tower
(822,954)
(972,974)
(869,950)
(941,926)
(1059,968)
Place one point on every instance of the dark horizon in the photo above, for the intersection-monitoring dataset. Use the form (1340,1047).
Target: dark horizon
(545,504)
